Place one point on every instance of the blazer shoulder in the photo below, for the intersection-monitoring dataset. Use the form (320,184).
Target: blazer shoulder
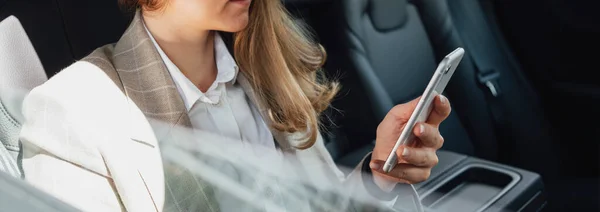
(86,85)
(103,59)
(93,76)
(99,62)
(76,111)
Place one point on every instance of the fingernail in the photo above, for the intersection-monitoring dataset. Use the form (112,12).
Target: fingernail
(405,152)
(374,166)
(443,99)
(421,129)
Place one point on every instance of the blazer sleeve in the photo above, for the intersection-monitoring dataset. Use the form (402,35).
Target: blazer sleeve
(60,156)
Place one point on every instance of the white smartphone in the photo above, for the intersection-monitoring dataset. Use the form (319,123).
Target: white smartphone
(436,86)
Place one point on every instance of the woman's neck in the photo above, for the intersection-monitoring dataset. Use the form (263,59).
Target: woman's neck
(190,49)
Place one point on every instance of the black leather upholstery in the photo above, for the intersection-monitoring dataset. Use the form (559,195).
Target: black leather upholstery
(387,15)
(91,24)
(393,63)
(523,128)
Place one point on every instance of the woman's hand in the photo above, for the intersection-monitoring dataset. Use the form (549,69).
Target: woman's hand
(415,160)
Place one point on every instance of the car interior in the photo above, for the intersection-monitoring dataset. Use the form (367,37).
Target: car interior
(522,132)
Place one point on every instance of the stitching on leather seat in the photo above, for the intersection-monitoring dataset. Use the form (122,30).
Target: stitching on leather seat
(10,118)
(13,121)
(12,147)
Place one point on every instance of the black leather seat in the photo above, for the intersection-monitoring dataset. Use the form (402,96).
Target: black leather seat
(518,117)
(387,51)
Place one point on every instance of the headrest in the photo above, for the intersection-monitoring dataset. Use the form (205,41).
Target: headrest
(20,66)
(387,14)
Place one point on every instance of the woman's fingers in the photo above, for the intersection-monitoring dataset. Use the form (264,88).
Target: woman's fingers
(407,173)
(441,110)
(415,168)
(429,135)
(422,157)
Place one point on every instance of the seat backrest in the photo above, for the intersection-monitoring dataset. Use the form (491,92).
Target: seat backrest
(42,20)
(388,47)
(20,71)
(517,116)
(394,45)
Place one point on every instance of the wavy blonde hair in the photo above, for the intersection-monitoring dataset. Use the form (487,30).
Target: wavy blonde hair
(283,64)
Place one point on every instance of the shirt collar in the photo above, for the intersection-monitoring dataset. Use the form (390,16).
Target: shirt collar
(225,61)
(227,71)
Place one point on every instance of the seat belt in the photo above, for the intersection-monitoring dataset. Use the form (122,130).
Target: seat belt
(487,75)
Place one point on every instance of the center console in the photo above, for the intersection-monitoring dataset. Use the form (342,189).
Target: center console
(463,183)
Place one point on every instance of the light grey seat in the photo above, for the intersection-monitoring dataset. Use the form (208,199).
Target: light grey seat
(20,71)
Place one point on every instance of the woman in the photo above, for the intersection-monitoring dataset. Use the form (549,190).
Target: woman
(88,138)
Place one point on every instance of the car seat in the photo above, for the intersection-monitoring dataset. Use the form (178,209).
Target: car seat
(384,54)
(388,50)
(20,71)
(511,104)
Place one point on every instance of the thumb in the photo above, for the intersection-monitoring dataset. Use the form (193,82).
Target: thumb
(376,165)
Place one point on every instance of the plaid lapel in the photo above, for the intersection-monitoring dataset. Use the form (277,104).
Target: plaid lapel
(146,80)
(151,90)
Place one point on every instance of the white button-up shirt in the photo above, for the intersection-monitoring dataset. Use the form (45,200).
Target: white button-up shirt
(224,108)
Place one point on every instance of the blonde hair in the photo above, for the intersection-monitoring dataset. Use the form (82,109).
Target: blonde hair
(283,65)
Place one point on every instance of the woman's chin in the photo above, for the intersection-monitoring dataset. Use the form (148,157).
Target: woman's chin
(235,26)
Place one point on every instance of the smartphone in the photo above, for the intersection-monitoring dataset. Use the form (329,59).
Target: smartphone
(436,86)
